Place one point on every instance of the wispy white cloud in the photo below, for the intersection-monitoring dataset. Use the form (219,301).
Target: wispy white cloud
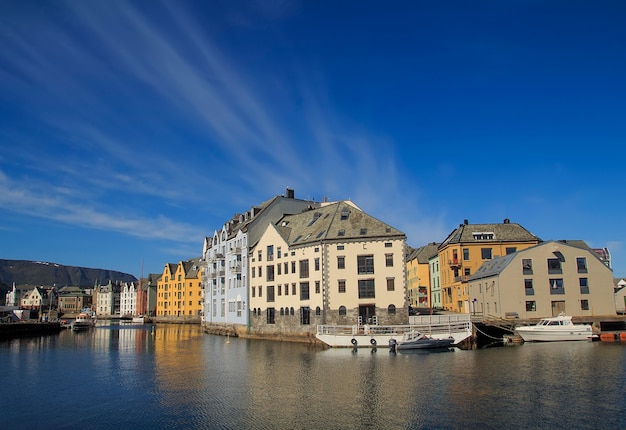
(53,204)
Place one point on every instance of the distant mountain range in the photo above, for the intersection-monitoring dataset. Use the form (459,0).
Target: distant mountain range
(36,273)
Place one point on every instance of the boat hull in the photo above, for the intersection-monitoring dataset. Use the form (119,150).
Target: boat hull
(424,344)
(529,334)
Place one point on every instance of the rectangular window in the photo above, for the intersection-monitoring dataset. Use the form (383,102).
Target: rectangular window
(485,253)
(278,268)
(365,264)
(527,266)
(528,286)
(270,293)
(252,271)
(304,291)
(271,315)
(253,289)
(293,267)
(317,264)
(286,289)
(260,255)
(584,285)
(269,273)
(342,285)
(286,266)
(466,254)
(584,305)
(388,244)
(391,284)
(389,260)
(510,250)
(554,265)
(279,290)
(278,252)
(366,289)
(531,306)
(260,272)
(340,247)
(304,268)
(317,287)
(581,263)
(341,262)
(260,291)
(556,286)
(293,289)
(270,252)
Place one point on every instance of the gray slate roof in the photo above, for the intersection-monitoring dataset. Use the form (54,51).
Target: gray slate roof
(334,221)
(424,253)
(503,232)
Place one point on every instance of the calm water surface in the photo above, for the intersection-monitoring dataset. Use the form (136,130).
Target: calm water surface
(176,376)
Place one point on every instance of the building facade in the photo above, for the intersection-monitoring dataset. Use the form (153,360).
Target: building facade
(467,248)
(544,280)
(180,291)
(332,264)
(226,256)
(419,277)
(128,299)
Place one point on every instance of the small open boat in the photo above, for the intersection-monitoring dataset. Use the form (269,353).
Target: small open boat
(415,340)
(83,321)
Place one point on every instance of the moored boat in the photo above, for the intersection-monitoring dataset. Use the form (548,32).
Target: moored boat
(82,322)
(458,327)
(415,340)
(553,329)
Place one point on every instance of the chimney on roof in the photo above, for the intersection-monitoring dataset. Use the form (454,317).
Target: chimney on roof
(507,221)
(465,222)
(290,193)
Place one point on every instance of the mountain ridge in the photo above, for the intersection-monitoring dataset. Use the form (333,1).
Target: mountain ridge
(36,273)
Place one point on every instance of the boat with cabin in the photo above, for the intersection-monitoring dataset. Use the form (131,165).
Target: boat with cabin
(455,326)
(83,321)
(553,329)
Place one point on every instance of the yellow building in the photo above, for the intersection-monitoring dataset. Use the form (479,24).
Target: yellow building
(418,277)
(179,291)
(467,248)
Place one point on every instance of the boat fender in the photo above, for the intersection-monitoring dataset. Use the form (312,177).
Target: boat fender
(354,342)
(373,342)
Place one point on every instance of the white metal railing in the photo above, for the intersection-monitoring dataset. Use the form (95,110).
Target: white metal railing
(428,327)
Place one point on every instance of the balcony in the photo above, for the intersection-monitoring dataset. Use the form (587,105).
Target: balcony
(463,278)
(236,268)
(454,262)
(234,250)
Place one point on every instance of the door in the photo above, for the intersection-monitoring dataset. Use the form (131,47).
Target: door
(366,314)
(558,307)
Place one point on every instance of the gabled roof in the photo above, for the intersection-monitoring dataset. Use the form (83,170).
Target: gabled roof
(497,265)
(334,221)
(504,232)
(192,267)
(424,253)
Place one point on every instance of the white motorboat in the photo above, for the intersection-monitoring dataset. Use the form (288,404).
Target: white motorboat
(554,329)
(83,321)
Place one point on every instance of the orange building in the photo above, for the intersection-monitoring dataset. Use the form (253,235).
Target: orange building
(179,290)
(467,248)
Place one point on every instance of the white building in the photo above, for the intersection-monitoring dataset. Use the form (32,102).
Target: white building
(226,257)
(128,299)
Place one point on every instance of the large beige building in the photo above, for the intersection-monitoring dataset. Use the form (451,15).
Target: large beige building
(542,281)
(329,265)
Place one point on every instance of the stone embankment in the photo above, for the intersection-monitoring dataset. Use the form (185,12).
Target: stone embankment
(27,328)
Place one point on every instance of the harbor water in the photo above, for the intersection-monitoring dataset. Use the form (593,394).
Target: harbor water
(123,376)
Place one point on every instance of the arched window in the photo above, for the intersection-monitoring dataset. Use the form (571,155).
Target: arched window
(318,311)
(391,310)
(342,310)
(282,311)
(291,310)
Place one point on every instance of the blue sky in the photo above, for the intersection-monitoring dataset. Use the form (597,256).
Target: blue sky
(130,130)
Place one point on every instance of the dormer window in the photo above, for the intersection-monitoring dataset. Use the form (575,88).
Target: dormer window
(345,213)
(481,235)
